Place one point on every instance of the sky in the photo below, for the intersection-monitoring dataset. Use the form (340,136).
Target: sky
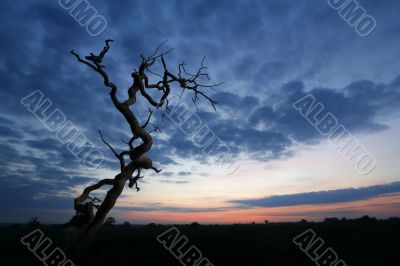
(270,54)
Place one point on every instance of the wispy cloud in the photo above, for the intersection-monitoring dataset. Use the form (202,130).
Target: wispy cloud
(322,197)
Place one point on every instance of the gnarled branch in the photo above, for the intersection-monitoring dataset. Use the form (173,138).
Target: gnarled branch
(138,160)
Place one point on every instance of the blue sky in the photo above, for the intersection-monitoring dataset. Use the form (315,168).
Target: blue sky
(269,54)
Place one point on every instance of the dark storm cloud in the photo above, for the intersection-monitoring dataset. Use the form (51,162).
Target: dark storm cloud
(356,106)
(266,130)
(44,46)
(249,44)
(322,197)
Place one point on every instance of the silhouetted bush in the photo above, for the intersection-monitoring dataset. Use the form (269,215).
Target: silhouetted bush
(356,242)
(110,221)
(367,219)
(394,219)
(34,222)
(195,224)
(331,220)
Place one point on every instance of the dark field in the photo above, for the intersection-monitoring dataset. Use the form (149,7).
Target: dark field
(358,242)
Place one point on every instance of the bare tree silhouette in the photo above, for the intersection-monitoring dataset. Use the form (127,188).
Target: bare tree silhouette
(133,160)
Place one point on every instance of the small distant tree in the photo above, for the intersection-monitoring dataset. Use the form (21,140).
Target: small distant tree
(331,220)
(126,224)
(195,224)
(34,222)
(367,218)
(110,221)
(266,221)
(152,225)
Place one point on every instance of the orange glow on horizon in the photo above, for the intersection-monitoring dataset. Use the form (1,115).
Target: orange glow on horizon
(380,207)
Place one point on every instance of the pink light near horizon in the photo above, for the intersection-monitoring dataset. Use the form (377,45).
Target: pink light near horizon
(381,207)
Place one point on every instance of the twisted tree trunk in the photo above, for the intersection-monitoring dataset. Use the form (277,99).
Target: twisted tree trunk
(86,219)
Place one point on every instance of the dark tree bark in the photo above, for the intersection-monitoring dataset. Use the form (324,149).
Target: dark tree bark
(87,219)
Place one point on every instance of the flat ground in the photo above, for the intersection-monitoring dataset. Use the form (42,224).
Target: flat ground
(357,242)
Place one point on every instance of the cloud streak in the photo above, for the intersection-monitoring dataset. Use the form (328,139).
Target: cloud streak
(321,197)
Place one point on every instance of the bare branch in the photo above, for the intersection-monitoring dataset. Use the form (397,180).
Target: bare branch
(119,156)
(109,146)
(156,170)
(79,201)
(133,180)
(156,128)
(83,61)
(95,65)
(148,118)
(184,79)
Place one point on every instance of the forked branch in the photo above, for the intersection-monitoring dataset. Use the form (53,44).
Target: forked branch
(184,80)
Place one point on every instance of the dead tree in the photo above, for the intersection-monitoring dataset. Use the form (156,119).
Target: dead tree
(133,160)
